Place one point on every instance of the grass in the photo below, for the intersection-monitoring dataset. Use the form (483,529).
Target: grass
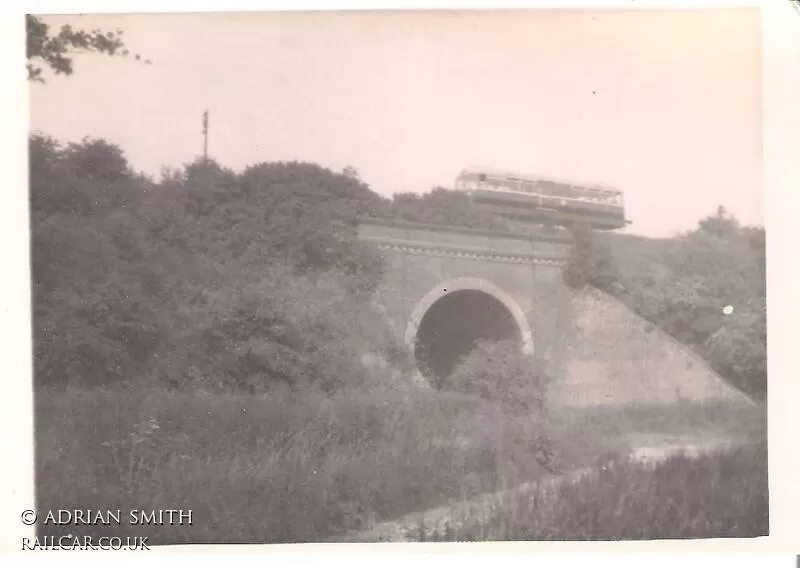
(304,467)
(719,495)
(614,430)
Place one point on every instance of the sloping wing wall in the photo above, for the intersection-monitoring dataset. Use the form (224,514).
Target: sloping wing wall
(615,357)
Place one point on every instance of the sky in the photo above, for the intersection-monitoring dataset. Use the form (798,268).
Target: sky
(664,106)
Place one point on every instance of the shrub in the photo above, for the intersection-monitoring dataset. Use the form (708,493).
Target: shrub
(444,207)
(591,262)
(216,280)
(499,371)
(279,327)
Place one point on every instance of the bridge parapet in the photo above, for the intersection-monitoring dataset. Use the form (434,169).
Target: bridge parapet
(544,247)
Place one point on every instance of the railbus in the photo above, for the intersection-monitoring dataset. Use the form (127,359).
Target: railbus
(533,199)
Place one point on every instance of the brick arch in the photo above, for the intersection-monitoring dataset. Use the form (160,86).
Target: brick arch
(468,283)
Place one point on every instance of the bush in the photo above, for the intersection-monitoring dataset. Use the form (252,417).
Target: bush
(444,207)
(591,262)
(208,279)
(500,372)
(278,327)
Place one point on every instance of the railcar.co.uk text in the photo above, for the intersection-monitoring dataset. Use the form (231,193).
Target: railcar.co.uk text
(74,542)
(105,517)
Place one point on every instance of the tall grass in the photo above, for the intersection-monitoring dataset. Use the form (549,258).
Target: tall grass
(296,466)
(719,495)
(283,467)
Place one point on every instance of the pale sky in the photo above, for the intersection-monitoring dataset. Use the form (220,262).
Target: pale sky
(665,106)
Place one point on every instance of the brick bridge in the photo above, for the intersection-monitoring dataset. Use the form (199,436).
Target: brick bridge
(446,287)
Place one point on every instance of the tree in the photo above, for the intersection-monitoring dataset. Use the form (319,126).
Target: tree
(54,50)
(441,206)
(96,306)
(97,160)
(351,172)
(79,179)
(722,224)
(591,262)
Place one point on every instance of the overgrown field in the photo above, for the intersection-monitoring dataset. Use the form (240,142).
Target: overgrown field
(719,495)
(304,466)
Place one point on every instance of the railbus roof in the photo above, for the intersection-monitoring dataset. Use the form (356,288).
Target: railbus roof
(516,175)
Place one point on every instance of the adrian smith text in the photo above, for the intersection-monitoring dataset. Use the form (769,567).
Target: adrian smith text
(117,517)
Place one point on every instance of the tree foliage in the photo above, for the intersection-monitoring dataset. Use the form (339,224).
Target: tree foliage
(46,49)
(442,207)
(207,278)
(591,261)
(684,284)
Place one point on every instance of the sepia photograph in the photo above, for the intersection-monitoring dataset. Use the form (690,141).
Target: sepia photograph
(397,276)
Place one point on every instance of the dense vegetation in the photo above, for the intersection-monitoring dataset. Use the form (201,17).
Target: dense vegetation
(223,280)
(516,379)
(300,466)
(207,279)
(683,497)
(253,286)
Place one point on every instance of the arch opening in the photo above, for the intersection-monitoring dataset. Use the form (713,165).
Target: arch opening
(452,326)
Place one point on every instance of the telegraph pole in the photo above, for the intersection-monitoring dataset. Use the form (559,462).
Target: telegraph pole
(205,138)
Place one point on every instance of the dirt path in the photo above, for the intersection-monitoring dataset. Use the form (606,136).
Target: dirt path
(648,448)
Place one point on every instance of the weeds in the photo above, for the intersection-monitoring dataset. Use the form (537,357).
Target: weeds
(292,466)
(721,495)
